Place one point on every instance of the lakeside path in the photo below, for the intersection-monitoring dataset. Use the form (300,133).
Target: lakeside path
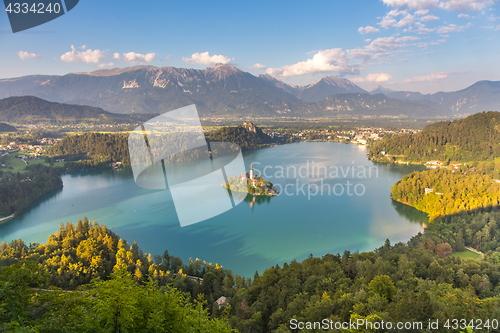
(6,218)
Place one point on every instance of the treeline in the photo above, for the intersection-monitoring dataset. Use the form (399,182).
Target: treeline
(475,138)
(447,192)
(97,150)
(94,150)
(7,128)
(479,230)
(18,191)
(401,283)
(417,281)
(241,136)
(118,304)
(75,255)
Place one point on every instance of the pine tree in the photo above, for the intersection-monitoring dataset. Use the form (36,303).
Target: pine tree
(460,243)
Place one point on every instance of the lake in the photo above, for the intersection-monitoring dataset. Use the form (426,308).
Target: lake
(354,212)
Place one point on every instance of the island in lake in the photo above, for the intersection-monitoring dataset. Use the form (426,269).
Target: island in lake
(250,183)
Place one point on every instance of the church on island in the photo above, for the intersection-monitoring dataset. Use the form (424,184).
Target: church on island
(251,183)
(249,176)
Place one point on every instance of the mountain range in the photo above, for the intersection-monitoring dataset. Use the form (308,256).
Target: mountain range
(226,90)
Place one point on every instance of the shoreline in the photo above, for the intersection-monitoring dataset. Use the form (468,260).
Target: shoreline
(5,219)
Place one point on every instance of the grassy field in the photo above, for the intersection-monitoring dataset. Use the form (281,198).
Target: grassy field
(14,163)
(467,254)
(18,165)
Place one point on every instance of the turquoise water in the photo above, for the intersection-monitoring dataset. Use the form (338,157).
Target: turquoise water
(259,232)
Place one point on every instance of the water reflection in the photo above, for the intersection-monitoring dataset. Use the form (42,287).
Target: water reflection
(410,213)
(257,199)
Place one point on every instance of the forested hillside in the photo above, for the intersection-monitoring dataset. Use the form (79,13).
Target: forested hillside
(7,128)
(447,192)
(93,149)
(417,281)
(33,110)
(18,191)
(241,136)
(475,138)
(98,150)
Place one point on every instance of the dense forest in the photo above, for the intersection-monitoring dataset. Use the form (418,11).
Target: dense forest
(18,191)
(241,136)
(7,128)
(97,150)
(447,192)
(477,229)
(416,281)
(475,138)
(118,304)
(94,150)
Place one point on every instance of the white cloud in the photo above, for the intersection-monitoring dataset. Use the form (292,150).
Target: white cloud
(360,53)
(380,48)
(206,59)
(88,56)
(373,78)
(83,47)
(422,29)
(383,44)
(133,57)
(433,77)
(331,60)
(367,40)
(452,28)
(258,66)
(465,5)
(412,4)
(111,64)
(450,5)
(429,18)
(389,19)
(406,20)
(423,46)
(464,16)
(116,56)
(26,55)
(422,12)
(367,30)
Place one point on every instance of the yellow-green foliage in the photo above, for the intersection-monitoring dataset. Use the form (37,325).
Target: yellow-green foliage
(452,192)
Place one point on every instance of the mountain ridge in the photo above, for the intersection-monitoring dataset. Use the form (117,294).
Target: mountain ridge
(226,90)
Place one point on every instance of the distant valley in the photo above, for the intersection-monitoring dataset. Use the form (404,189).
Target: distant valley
(223,90)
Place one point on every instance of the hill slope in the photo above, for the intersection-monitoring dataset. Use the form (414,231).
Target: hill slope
(475,138)
(7,128)
(33,110)
(246,137)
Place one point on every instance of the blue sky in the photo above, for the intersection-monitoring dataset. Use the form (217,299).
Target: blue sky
(416,45)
